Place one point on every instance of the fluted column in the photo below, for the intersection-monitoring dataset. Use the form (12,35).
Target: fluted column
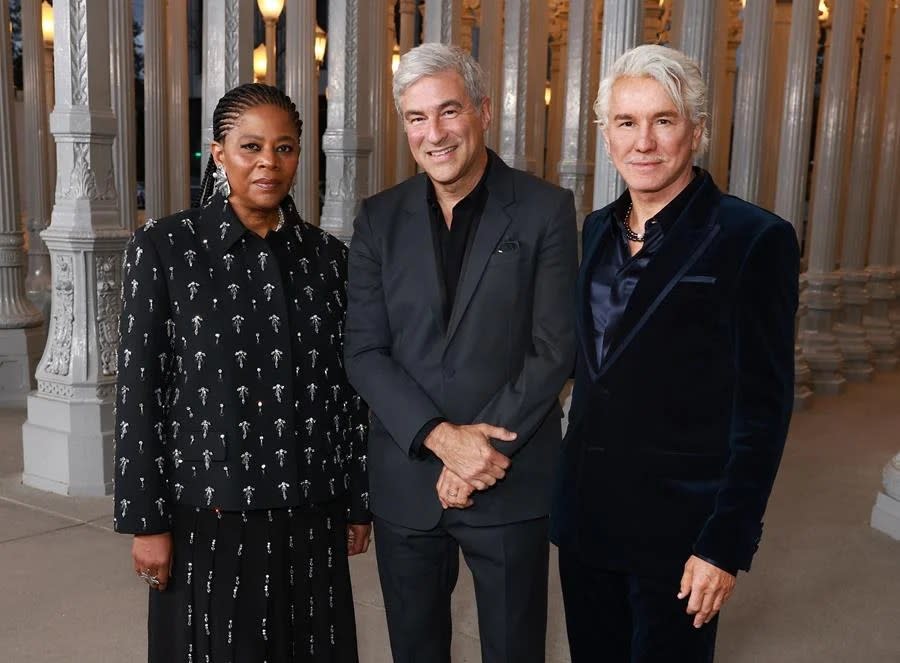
(37,168)
(178,123)
(301,81)
(524,45)
(576,165)
(730,34)
(776,81)
(19,318)
(121,62)
(389,146)
(559,15)
(380,82)
(819,342)
(404,165)
(693,32)
(443,21)
(796,115)
(228,61)
(885,234)
(347,142)
(156,111)
(750,100)
(490,57)
(537,84)
(793,153)
(68,436)
(857,213)
(622,30)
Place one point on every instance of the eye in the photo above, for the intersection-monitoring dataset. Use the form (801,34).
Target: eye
(664,121)
(450,112)
(626,123)
(287,148)
(253,147)
(417,119)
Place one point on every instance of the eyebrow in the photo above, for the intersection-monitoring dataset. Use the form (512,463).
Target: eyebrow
(261,139)
(440,107)
(629,116)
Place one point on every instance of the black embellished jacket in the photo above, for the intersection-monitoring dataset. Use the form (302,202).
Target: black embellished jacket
(231,389)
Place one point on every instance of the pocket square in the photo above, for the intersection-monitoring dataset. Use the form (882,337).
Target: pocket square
(698,279)
(507,247)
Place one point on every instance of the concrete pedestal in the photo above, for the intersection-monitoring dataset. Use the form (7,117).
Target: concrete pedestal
(68,446)
(886,512)
(20,352)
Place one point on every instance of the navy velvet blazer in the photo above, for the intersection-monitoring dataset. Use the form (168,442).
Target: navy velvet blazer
(673,449)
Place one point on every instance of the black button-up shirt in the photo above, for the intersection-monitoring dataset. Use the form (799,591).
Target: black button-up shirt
(451,244)
(451,248)
(616,272)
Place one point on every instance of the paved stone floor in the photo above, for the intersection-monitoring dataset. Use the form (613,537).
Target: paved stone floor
(825,586)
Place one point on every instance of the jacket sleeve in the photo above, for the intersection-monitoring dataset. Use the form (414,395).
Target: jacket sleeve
(766,303)
(522,404)
(145,359)
(356,430)
(402,406)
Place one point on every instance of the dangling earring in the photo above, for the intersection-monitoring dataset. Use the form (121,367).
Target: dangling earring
(221,181)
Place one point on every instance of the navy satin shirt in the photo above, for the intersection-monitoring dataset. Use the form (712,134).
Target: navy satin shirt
(616,272)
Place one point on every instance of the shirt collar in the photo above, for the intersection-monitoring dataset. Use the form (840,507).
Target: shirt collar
(471,197)
(222,228)
(673,209)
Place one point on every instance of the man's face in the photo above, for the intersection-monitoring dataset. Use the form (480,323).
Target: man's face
(444,128)
(650,143)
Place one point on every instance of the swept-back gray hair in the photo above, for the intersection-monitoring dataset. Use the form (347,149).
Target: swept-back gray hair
(678,74)
(434,58)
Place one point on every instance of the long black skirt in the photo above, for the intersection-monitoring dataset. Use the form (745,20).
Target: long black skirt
(254,587)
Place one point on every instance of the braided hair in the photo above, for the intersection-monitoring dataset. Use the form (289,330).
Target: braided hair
(231,106)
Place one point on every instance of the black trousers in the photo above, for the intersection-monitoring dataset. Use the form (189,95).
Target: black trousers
(615,617)
(418,571)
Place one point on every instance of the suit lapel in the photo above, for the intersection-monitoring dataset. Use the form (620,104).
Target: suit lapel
(494,221)
(584,328)
(416,227)
(686,241)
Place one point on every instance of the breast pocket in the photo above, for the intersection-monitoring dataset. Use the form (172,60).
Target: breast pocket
(508,252)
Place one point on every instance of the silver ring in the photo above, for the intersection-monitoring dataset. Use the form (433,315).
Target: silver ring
(151,580)
(452,493)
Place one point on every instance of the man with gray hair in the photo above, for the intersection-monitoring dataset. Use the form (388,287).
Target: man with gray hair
(685,309)
(460,337)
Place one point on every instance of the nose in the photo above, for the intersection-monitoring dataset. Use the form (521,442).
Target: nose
(646,141)
(436,132)
(267,157)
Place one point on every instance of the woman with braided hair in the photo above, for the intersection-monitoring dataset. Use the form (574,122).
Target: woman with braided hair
(240,445)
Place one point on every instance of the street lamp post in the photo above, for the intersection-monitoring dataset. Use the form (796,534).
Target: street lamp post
(270,10)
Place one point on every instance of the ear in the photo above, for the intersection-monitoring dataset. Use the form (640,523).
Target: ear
(486,114)
(217,151)
(697,134)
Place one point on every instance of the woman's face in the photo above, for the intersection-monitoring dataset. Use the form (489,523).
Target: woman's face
(260,155)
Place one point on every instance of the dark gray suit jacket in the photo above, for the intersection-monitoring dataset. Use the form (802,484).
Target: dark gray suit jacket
(502,360)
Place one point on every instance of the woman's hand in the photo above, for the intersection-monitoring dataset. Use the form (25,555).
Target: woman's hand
(152,556)
(357,538)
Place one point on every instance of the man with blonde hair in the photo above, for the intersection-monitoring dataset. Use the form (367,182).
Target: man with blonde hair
(683,386)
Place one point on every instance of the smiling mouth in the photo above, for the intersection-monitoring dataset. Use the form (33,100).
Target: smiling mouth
(442,153)
(266,184)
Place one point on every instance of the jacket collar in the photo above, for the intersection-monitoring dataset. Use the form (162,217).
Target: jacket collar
(685,241)
(220,228)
